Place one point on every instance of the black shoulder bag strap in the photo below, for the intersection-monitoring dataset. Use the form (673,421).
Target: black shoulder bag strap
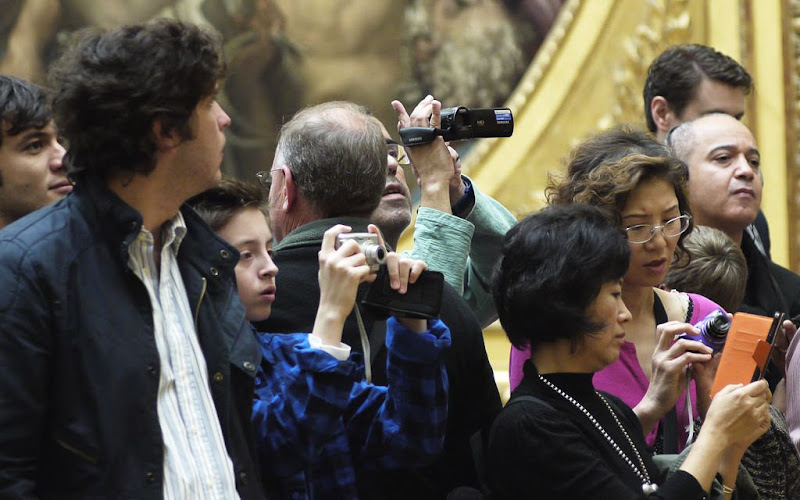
(669,426)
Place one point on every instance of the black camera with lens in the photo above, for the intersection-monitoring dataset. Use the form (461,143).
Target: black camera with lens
(462,123)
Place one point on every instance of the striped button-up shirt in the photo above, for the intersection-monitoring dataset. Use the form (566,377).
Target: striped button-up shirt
(196,462)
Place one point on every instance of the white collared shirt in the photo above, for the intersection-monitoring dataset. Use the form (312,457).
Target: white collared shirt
(196,462)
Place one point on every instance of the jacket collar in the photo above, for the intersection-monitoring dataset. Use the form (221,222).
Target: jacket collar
(762,290)
(115,220)
(119,223)
(311,233)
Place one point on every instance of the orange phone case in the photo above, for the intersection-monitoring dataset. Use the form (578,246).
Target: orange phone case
(747,349)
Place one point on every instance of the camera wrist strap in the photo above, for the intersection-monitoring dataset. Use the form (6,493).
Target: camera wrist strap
(688,408)
(364,346)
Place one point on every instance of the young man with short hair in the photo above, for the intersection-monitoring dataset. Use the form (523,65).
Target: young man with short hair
(32,172)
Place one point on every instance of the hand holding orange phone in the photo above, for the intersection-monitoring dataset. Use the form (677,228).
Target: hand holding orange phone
(747,350)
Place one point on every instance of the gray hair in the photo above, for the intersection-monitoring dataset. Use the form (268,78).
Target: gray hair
(337,155)
(681,140)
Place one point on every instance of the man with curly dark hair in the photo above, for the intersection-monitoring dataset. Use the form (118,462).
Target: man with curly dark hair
(127,359)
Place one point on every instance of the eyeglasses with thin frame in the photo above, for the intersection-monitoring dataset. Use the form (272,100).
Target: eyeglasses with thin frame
(642,233)
(265,177)
(398,152)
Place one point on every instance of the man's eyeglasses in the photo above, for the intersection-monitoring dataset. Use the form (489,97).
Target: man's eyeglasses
(642,233)
(265,177)
(397,152)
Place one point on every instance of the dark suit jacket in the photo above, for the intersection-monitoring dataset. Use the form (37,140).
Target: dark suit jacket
(763,231)
(770,288)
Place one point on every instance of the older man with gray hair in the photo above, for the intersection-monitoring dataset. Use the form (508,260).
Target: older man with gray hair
(330,168)
(725,190)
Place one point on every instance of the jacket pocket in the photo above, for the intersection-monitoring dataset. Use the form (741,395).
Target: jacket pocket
(77,452)
(71,471)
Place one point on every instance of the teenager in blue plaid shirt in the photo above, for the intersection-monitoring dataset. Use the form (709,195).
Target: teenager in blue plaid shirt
(317,422)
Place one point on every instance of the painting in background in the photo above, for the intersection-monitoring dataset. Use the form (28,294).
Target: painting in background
(286,54)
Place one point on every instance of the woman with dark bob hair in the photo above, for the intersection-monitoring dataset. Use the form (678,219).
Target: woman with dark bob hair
(644,186)
(558,289)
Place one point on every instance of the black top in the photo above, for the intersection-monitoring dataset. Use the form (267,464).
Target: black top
(473,400)
(555,451)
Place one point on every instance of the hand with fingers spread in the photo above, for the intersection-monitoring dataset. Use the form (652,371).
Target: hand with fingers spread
(669,372)
(434,166)
(340,272)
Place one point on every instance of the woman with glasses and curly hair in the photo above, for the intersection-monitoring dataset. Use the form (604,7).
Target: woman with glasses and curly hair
(636,178)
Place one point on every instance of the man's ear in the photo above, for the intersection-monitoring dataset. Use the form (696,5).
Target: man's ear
(164,141)
(662,114)
(290,189)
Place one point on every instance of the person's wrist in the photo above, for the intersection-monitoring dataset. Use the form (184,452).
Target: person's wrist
(416,325)
(458,189)
(465,200)
(436,186)
(647,413)
(713,435)
(328,325)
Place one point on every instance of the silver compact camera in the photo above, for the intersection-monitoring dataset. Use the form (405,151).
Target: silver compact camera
(373,252)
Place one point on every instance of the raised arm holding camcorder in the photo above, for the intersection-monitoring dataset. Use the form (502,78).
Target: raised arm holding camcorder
(458,228)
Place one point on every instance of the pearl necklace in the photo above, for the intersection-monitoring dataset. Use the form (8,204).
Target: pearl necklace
(648,487)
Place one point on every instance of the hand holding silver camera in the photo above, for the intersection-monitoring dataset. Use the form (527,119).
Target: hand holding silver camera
(373,252)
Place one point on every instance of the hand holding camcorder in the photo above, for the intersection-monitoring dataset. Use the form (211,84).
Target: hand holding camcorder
(460,123)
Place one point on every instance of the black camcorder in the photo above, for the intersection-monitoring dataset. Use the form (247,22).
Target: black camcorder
(462,123)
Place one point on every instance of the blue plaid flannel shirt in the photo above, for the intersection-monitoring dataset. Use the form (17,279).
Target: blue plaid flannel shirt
(317,422)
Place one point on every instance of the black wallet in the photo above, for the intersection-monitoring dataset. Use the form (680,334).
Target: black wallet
(423,299)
